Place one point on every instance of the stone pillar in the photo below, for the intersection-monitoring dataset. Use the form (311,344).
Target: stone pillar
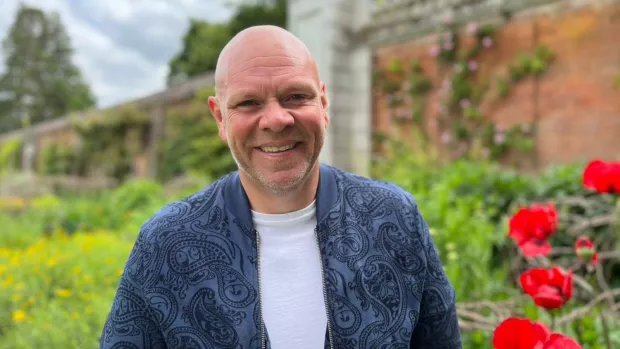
(324,26)
(29,153)
(311,22)
(360,55)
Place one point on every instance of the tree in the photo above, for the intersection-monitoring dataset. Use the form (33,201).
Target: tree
(203,41)
(264,12)
(201,47)
(40,82)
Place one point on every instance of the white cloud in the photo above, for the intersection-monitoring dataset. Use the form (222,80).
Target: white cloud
(122,46)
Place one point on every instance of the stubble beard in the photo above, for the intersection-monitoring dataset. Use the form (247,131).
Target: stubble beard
(277,188)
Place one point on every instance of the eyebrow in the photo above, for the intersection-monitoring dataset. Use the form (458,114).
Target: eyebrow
(297,85)
(301,86)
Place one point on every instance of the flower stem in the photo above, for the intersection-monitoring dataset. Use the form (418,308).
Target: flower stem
(598,290)
(578,327)
(605,330)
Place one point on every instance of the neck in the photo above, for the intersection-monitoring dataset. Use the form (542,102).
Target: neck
(264,201)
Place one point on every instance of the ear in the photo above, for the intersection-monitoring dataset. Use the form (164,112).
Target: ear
(216,111)
(324,104)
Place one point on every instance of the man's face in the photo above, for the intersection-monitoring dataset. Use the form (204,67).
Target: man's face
(272,112)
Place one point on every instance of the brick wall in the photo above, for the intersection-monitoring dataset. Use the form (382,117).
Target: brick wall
(578,106)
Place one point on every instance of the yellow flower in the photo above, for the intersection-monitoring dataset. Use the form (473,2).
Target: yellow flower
(15,260)
(8,281)
(19,316)
(63,293)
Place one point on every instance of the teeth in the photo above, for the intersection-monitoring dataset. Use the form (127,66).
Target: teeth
(277,149)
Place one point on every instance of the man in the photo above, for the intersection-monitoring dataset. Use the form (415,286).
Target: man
(286,252)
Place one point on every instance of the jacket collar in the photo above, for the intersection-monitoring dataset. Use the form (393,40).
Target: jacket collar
(237,203)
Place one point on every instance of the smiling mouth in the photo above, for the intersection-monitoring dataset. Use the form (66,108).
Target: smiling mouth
(276,150)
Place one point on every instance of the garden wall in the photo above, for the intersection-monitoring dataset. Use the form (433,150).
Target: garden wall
(575,104)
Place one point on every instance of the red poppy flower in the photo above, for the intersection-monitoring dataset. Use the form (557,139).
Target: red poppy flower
(549,288)
(531,226)
(558,341)
(585,250)
(517,333)
(603,177)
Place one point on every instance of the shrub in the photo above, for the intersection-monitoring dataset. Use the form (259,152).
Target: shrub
(568,282)
(56,293)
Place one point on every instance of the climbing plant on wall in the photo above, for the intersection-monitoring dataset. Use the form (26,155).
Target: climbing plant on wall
(456,115)
(191,143)
(10,155)
(56,159)
(110,142)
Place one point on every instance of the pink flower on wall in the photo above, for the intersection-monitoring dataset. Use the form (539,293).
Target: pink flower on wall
(487,42)
(472,28)
(445,137)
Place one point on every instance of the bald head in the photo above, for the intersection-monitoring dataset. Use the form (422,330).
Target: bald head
(265,43)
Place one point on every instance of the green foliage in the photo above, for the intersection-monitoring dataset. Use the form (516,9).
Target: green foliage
(192,144)
(10,155)
(202,45)
(111,140)
(266,12)
(463,203)
(57,159)
(531,65)
(60,260)
(204,41)
(40,77)
(136,193)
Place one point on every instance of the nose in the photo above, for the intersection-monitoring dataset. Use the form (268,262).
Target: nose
(275,118)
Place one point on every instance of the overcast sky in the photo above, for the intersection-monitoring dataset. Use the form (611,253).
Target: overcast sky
(122,46)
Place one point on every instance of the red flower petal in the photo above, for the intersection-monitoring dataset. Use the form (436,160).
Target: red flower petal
(549,288)
(604,177)
(583,241)
(531,226)
(533,248)
(516,333)
(592,173)
(548,297)
(558,341)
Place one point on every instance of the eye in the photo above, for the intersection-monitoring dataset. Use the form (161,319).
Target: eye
(247,103)
(296,97)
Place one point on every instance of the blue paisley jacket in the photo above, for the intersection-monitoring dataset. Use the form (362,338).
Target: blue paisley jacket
(191,279)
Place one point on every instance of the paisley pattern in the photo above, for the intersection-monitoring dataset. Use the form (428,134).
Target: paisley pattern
(191,280)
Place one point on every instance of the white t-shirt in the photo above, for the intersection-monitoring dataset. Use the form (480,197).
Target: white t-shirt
(291,281)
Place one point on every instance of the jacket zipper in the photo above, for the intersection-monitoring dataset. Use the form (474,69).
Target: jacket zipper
(260,297)
(329,323)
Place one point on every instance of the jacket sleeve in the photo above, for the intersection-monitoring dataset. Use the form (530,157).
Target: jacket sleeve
(437,326)
(130,323)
